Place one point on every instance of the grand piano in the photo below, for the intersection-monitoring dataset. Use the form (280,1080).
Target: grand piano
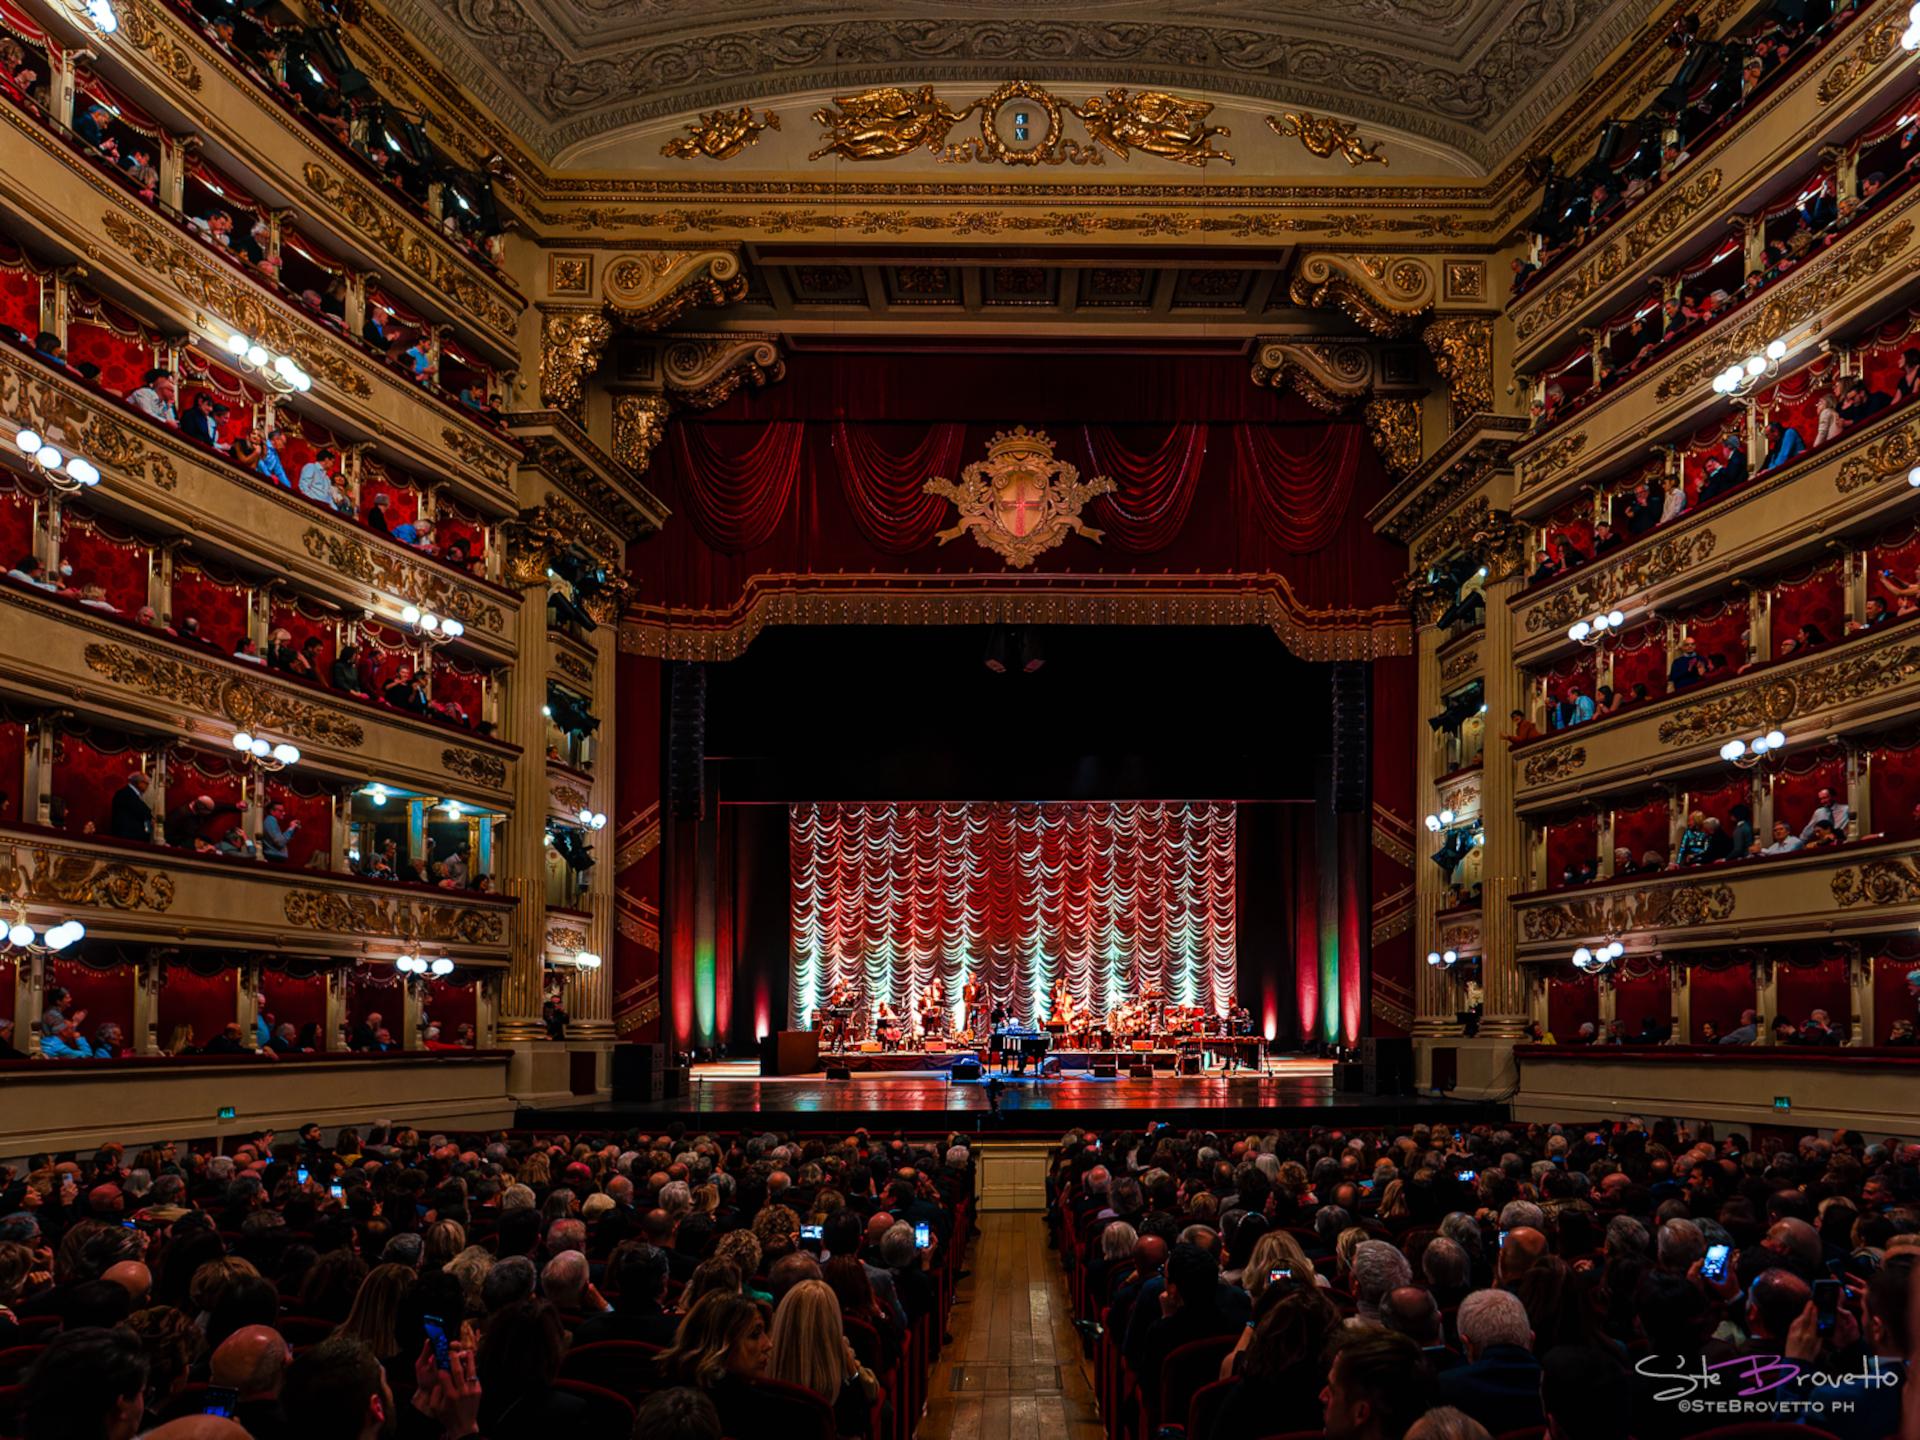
(1014,1044)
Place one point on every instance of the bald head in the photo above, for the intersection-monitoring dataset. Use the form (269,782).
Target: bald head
(253,1360)
(1522,1251)
(1413,1312)
(1150,1255)
(199,1427)
(1797,1245)
(132,1277)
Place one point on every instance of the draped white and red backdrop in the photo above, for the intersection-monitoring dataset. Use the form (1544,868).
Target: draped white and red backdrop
(1121,898)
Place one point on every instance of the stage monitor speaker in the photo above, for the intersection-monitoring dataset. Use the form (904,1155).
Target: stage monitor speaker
(1350,738)
(687,740)
(678,1081)
(1140,1072)
(1106,1072)
(839,1072)
(790,1052)
(636,1070)
(1189,1064)
(967,1070)
(1350,1077)
(1388,1062)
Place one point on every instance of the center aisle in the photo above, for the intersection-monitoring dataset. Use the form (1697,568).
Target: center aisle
(1014,1370)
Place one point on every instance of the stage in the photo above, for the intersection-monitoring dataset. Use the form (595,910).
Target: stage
(1294,1090)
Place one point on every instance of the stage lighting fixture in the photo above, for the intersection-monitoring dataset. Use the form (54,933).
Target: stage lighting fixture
(1453,851)
(569,610)
(570,712)
(1461,706)
(1462,611)
(572,846)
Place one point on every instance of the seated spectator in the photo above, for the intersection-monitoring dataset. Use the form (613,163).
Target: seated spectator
(1824,836)
(1692,849)
(1830,809)
(202,420)
(248,451)
(156,397)
(269,464)
(235,845)
(1500,1384)
(1784,842)
(94,597)
(809,1348)
(345,676)
(277,832)
(639,1272)
(722,1348)
(1784,443)
(1688,667)
(316,479)
(377,518)
(1747,1032)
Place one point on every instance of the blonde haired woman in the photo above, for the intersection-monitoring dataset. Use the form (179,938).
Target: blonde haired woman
(811,1349)
(375,1316)
(1276,1250)
(722,1348)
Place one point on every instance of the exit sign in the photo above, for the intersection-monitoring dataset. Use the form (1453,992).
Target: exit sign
(226,1112)
(1783,1102)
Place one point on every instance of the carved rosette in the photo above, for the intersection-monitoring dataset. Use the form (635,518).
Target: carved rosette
(410,920)
(639,424)
(1602,586)
(1667,907)
(1555,764)
(422,585)
(1393,423)
(1879,882)
(1462,349)
(1777,699)
(489,770)
(571,341)
(649,290)
(702,371)
(245,703)
(1387,294)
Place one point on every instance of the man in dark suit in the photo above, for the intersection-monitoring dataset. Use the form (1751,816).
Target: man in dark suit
(1190,1309)
(132,817)
(1500,1384)
(1411,1310)
(640,1273)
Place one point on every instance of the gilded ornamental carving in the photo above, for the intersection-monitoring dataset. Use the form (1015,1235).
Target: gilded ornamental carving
(1459,667)
(649,290)
(489,770)
(1776,699)
(419,584)
(1462,349)
(1385,294)
(1555,764)
(144,32)
(1878,882)
(720,134)
(246,703)
(1478,530)
(1329,374)
(538,535)
(1549,460)
(702,371)
(1394,426)
(71,419)
(570,344)
(411,920)
(566,939)
(1861,55)
(1327,136)
(639,425)
(483,459)
(1020,501)
(1894,453)
(56,877)
(1603,585)
(1663,907)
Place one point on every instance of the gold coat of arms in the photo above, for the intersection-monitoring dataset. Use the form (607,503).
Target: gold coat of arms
(1020,501)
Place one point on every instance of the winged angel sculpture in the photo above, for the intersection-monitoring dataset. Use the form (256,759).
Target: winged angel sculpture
(1155,122)
(885,123)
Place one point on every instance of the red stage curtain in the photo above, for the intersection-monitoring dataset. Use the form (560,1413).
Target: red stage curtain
(103,554)
(208,1002)
(308,802)
(1297,491)
(1570,842)
(13,770)
(1816,598)
(87,768)
(1573,1000)
(1643,828)
(1718,993)
(16,526)
(1894,784)
(1797,784)
(221,605)
(736,495)
(1640,658)
(1642,994)
(883,487)
(1821,985)
(1153,491)
(1120,898)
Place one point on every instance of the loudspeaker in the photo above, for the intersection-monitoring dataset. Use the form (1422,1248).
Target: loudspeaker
(637,1071)
(839,1072)
(1388,1063)
(1350,738)
(1140,1072)
(1189,1064)
(1106,1072)
(686,739)
(967,1070)
(678,1079)
(1350,1077)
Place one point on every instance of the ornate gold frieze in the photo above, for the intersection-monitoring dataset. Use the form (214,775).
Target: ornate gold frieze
(246,703)
(1459,667)
(569,274)
(1775,699)
(570,344)
(533,539)
(364,210)
(1462,796)
(1860,55)
(143,32)
(568,800)
(235,302)
(1549,460)
(490,464)
(1020,501)
(1878,882)
(472,765)
(1461,937)
(422,585)
(1895,453)
(398,919)
(570,664)
(1604,585)
(569,939)
(702,371)
(639,838)
(1664,907)
(1394,425)
(1808,294)
(1462,349)
(639,424)
(889,122)
(1476,529)
(720,134)
(1328,374)
(1386,294)
(81,426)
(58,877)
(652,289)
(1326,136)
(1555,764)
(1627,245)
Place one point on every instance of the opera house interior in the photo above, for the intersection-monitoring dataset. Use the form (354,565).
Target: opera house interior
(843,719)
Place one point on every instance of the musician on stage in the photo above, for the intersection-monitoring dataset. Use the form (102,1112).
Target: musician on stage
(1061,1007)
(839,1012)
(930,1009)
(973,997)
(1239,1022)
(886,1025)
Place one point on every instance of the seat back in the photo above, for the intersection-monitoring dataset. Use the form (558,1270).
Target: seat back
(1189,1369)
(626,1367)
(16,1360)
(811,1417)
(607,1413)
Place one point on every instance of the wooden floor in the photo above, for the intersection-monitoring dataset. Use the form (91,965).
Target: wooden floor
(1014,1370)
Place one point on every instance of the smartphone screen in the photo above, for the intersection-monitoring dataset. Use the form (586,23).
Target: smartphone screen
(221,1399)
(812,1232)
(1826,1303)
(1503,1240)
(1714,1266)
(337,1190)
(437,1332)
(130,1224)
(1466,1177)
(1277,1274)
(301,1174)
(922,1235)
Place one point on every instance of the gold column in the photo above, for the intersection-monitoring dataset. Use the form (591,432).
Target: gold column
(1504,856)
(1435,1010)
(591,1009)
(331,1040)
(1860,982)
(521,860)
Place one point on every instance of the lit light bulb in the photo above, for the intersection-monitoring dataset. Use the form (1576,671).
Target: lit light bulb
(453,809)
(410,615)
(1913,477)
(1775,739)
(1616,618)
(20,934)
(242,741)
(1733,749)
(82,471)
(452,629)
(1756,365)
(238,344)
(1446,817)
(261,747)
(430,623)
(1433,957)
(286,754)
(47,458)
(61,936)
(257,356)
(1583,956)
(28,441)
(1615,950)
(1450,957)
(1433,823)
(1579,630)
(1777,350)
(442,966)
(1600,623)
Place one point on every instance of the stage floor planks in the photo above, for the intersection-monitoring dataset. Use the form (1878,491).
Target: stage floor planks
(1014,1370)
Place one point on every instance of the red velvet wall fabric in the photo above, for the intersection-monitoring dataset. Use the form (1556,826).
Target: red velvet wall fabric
(1719,800)
(209,1003)
(1797,784)
(309,804)
(103,994)
(220,606)
(1816,598)
(1640,996)
(19,294)
(1573,1000)
(124,359)
(450,1004)
(1644,827)
(1719,995)
(16,526)
(297,1000)
(1891,1000)
(101,553)
(1570,842)
(1640,657)
(192,773)
(13,770)
(462,685)
(1721,629)
(86,772)
(303,622)
(1894,785)
(1802,989)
